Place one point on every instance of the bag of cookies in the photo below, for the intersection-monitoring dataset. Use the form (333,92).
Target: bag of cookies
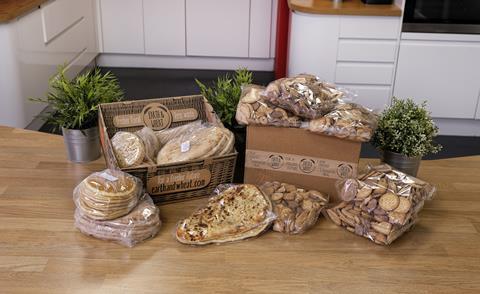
(204,141)
(304,95)
(142,223)
(381,204)
(108,194)
(296,209)
(347,121)
(254,109)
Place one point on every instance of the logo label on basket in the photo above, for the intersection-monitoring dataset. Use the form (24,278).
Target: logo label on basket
(299,164)
(178,182)
(156,116)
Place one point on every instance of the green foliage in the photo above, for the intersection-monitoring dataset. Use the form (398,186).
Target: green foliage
(225,94)
(406,128)
(75,102)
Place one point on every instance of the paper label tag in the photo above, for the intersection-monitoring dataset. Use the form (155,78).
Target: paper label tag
(299,164)
(108,177)
(178,182)
(156,116)
(185,146)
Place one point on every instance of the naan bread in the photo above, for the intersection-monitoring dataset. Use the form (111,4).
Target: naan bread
(236,213)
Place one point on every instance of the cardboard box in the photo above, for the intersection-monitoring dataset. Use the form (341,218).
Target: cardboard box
(299,157)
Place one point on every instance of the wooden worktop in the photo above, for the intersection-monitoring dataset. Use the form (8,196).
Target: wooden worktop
(10,9)
(42,252)
(347,7)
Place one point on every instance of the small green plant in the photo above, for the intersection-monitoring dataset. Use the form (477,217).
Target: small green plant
(75,102)
(407,128)
(225,94)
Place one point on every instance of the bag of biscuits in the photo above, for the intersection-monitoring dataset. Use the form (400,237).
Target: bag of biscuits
(204,141)
(304,95)
(347,121)
(380,204)
(297,209)
(108,194)
(254,109)
(140,224)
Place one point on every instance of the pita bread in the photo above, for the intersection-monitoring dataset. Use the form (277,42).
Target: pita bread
(229,145)
(196,145)
(107,195)
(150,141)
(128,148)
(236,213)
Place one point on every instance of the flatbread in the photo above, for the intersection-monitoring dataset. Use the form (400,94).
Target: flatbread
(197,144)
(238,212)
(128,149)
(150,141)
(229,145)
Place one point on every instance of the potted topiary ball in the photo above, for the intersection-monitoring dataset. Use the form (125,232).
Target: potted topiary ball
(75,110)
(405,134)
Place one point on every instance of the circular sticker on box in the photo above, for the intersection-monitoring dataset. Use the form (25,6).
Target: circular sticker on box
(307,165)
(156,116)
(344,170)
(276,161)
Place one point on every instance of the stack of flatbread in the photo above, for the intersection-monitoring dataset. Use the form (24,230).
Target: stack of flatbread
(142,223)
(107,195)
(203,142)
(237,212)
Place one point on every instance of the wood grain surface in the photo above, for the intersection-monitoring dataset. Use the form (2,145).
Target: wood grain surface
(42,252)
(10,9)
(347,7)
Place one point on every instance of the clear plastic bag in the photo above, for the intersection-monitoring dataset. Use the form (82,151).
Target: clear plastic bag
(150,142)
(304,95)
(108,194)
(201,142)
(347,121)
(253,109)
(128,148)
(297,209)
(142,223)
(233,213)
(381,204)
(166,135)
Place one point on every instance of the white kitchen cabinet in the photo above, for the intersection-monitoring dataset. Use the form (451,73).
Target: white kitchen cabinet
(122,26)
(217,28)
(164,24)
(260,25)
(364,73)
(372,96)
(369,27)
(366,50)
(313,45)
(445,73)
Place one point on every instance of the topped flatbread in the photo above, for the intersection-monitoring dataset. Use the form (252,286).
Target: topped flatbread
(236,213)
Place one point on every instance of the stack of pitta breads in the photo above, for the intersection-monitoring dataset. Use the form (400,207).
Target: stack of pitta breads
(111,205)
(188,142)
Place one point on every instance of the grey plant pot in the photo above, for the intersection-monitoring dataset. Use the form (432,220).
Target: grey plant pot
(82,145)
(408,165)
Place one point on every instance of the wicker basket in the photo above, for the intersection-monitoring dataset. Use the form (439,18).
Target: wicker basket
(172,182)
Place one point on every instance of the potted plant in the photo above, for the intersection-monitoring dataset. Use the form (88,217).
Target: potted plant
(224,96)
(75,108)
(405,134)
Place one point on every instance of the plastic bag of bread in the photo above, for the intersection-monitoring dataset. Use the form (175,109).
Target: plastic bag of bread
(142,223)
(204,141)
(347,121)
(304,95)
(128,148)
(108,194)
(166,135)
(150,142)
(233,213)
(296,209)
(254,109)
(381,204)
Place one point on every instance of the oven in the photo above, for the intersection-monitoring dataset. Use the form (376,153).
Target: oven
(442,16)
